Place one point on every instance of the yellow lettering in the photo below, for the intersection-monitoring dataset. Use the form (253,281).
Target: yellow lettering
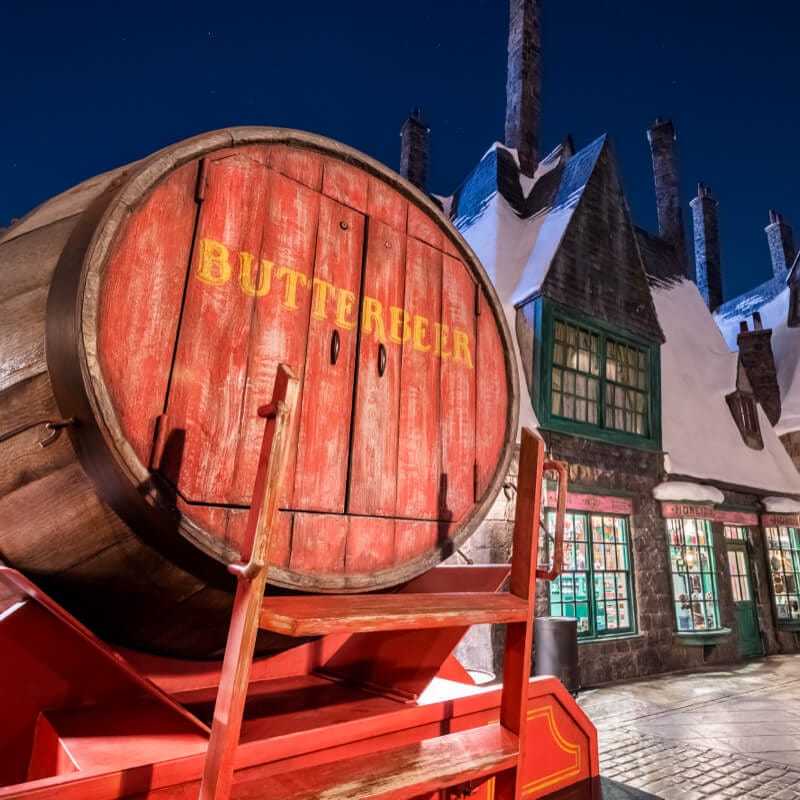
(215,266)
(461,345)
(399,329)
(246,275)
(441,337)
(293,277)
(372,319)
(321,289)
(344,305)
(420,329)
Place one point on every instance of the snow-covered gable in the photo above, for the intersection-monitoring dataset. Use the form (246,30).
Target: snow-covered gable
(698,370)
(516,246)
(771,300)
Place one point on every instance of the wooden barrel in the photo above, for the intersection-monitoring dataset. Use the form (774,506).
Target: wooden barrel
(150,307)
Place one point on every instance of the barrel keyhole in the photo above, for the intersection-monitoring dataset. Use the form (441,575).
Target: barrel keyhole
(381,360)
(335,344)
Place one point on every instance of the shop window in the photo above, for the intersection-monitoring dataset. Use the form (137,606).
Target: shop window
(591,379)
(783,555)
(694,579)
(595,585)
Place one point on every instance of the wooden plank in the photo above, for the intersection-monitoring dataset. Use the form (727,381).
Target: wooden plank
(492,392)
(210,373)
(370,545)
(422,227)
(403,772)
(413,538)
(303,166)
(419,475)
(288,234)
(315,615)
(318,544)
(320,479)
(458,390)
(280,540)
(373,458)
(147,265)
(345,184)
(385,204)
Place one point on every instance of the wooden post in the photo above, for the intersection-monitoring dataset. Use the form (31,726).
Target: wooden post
(252,579)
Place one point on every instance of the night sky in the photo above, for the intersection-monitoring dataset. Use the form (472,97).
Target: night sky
(88,86)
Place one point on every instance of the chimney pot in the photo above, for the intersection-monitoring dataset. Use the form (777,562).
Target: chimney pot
(780,239)
(757,326)
(743,326)
(523,83)
(707,255)
(668,197)
(414,150)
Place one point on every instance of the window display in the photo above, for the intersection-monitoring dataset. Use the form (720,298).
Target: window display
(595,586)
(783,557)
(694,580)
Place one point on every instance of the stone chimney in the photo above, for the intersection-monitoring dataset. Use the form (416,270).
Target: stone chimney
(781,244)
(414,150)
(707,258)
(668,197)
(755,355)
(524,82)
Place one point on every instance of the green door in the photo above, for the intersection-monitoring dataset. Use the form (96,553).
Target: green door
(746,617)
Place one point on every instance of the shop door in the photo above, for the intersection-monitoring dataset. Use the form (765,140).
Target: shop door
(746,617)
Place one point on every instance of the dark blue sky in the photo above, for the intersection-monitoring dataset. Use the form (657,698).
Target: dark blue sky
(88,86)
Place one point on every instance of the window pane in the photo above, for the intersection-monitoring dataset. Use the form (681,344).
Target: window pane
(693,574)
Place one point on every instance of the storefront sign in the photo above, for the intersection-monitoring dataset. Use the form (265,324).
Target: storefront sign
(695,511)
(593,502)
(780,520)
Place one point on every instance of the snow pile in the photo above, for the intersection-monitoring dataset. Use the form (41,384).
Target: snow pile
(683,491)
(697,371)
(780,505)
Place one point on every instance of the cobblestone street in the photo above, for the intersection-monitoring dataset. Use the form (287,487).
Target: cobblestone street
(732,732)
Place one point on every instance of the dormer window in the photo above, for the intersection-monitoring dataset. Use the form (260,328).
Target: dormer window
(743,408)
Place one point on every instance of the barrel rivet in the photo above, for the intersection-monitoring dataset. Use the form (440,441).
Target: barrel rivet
(343,225)
(387,245)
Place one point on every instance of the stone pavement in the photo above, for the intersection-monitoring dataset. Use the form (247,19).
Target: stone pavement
(720,733)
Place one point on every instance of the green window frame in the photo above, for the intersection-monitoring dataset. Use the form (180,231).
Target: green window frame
(694,575)
(592,379)
(783,557)
(596,583)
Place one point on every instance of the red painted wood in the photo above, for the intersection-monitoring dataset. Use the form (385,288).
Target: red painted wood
(318,544)
(492,398)
(345,183)
(321,471)
(316,615)
(279,325)
(416,537)
(385,204)
(150,261)
(458,389)
(303,166)
(210,377)
(373,471)
(370,545)
(422,227)
(419,473)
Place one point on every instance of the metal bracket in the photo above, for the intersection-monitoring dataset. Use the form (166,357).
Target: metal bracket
(54,429)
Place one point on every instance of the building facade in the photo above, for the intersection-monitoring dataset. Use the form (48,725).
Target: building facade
(676,552)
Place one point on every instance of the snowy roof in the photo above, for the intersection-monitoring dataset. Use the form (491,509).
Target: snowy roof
(698,370)
(516,250)
(517,241)
(774,308)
